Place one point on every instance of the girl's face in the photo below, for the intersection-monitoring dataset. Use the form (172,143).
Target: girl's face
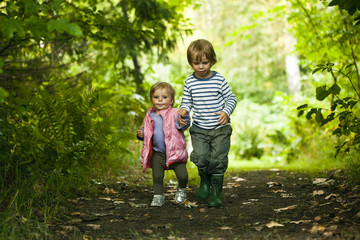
(161,99)
(202,68)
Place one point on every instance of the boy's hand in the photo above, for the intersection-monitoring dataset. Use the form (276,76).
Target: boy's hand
(223,119)
(182,112)
(140,133)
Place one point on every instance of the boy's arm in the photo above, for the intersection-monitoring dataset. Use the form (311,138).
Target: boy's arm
(230,99)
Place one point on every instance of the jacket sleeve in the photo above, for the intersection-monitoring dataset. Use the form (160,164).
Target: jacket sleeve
(179,127)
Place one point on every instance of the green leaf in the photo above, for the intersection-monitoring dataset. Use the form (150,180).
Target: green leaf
(335,89)
(321,93)
(316,70)
(337,131)
(10,26)
(319,117)
(3,94)
(302,106)
(73,29)
(301,112)
(310,113)
(356,140)
(31,7)
(334,2)
(62,25)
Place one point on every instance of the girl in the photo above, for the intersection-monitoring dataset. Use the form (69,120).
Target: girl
(164,142)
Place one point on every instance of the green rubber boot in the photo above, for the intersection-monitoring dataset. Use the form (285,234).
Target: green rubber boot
(216,184)
(204,189)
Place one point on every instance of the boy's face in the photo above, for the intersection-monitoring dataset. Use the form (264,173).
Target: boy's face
(202,67)
(161,99)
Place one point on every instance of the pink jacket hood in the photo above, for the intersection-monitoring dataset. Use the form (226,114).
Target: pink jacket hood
(174,139)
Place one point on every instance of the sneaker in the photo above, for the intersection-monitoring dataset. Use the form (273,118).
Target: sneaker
(158,201)
(180,196)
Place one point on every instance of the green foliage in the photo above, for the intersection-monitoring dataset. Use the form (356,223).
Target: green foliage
(56,131)
(343,109)
(349,5)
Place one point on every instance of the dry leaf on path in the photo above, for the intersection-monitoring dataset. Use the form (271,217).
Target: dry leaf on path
(94,226)
(319,180)
(225,228)
(189,204)
(285,208)
(318,192)
(317,229)
(274,224)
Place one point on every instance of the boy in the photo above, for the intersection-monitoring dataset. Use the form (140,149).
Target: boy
(208,95)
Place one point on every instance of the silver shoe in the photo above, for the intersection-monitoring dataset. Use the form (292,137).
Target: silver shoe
(180,196)
(158,201)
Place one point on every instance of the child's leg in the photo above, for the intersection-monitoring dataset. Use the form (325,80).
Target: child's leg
(220,146)
(182,177)
(158,169)
(181,174)
(219,162)
(200,156)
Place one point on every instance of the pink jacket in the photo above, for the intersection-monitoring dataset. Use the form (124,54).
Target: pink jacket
(174,139)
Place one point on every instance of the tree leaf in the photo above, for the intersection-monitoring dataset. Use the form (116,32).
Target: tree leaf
(335,89)
(310,113)
(321,93)
(302,106)
(316,70)
(319,117)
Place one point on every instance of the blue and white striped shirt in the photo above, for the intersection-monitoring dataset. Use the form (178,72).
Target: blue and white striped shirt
(205,97)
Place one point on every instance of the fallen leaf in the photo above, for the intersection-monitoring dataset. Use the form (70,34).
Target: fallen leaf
(238,179)
(301,221)
(189,204)
(318,218)
(319,180)
(277,191)
(109,191)
(225,228)
(68,228)
(285,208)
(327,234)
(331,195)
(106,198)
(272,184)
(318,192)
(202,210)
(94,226)
(274,224)
(148,231)
(317,229)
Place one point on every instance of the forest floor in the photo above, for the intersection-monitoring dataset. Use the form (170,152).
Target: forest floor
(256,205)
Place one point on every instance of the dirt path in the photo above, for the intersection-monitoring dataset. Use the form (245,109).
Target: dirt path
(256,205)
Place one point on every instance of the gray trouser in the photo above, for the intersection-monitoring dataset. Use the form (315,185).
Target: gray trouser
(158,163)
(210,148)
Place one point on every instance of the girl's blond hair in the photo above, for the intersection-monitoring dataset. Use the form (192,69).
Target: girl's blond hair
(161,85)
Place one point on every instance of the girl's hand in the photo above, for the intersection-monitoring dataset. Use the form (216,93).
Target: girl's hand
(223,119)
(140,133)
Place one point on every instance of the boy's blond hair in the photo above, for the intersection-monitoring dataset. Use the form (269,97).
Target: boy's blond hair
(199,48)
(161,85)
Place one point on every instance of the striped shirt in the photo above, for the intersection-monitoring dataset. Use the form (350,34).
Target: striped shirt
(206,96)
